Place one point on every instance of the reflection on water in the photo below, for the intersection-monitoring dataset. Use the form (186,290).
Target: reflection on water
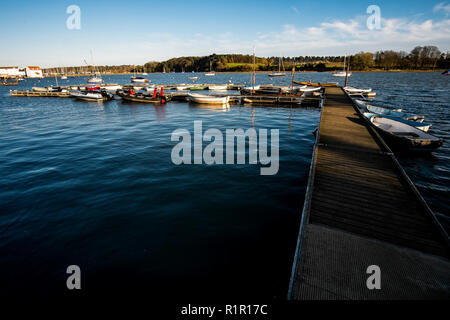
(93,184)
(213,107)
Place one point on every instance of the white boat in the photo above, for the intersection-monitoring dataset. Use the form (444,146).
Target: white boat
(63,77)
(310,89)
(419,125)
(111,87)
(342,73)
(88,96)
(182,87)
(144,73)
(403,135)
(193,78)
(92,96)
(95,79)
(210,73)
(39,89)
(150,88)
(250,87)
(279,73)
(139,79)
(365,107)
(218,87)
(207,99)
(352,90)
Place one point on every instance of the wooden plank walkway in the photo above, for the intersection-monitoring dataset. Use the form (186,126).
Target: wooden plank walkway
(360,210)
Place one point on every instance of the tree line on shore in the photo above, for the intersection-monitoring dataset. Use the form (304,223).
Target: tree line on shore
(420,58)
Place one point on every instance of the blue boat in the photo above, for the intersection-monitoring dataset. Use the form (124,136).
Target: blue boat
(419,125)
(387,112)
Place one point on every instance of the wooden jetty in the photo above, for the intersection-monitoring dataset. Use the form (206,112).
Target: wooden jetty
(28,93)
(361,210)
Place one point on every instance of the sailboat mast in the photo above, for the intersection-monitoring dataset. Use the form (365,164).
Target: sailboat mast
(254,70)
(346,72)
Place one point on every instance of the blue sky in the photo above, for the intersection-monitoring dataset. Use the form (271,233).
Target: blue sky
(134,32)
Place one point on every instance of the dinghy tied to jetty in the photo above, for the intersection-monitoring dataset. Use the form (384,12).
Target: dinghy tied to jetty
(402,135)
(207,99)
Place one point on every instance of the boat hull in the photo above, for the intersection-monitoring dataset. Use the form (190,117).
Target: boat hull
(144,99)
(316,84)
(205,99)
(401,136)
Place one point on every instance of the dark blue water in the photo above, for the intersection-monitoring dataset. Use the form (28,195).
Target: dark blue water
(94,185)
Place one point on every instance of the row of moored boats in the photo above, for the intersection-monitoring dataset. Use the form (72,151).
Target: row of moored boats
(400,129)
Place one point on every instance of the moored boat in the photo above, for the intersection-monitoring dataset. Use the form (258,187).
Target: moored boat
(341,74)
(131,95)
(198,88)
(403,136)
(139,79)
(316,84)
(279,73)
(207,99)
(92,95)
(352,90)
(219,87)
(386,111)
(111,86)
(182,87)
(419,125)
(95,79)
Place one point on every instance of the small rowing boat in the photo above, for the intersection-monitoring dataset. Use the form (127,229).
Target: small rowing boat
(365,107)
(316,84)
(182,87)
(218,87)
(92,95)
(404,136)
(351,90)
(419,125)
(198,88)
(207,99)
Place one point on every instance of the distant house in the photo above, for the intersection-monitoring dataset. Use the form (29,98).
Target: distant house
(6,72)
(33,72)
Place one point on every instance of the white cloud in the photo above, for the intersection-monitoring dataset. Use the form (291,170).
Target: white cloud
(331,37)
(336,37)
(442,6)
(295,9)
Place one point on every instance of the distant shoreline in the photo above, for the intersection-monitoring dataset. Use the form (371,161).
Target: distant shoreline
(263,72)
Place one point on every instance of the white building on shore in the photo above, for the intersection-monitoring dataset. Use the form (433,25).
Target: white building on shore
(33,72)
(6,72)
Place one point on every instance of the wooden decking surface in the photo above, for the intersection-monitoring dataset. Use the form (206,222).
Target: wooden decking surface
(361,210)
